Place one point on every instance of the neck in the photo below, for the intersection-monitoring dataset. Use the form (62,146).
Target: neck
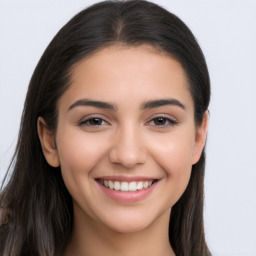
(91,238)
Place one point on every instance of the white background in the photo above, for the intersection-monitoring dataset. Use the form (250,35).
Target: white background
(226,31)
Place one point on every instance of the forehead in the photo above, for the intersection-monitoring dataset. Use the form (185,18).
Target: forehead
(119,73)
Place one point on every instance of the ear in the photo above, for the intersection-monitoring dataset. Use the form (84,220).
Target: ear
(200,138)
(46,138)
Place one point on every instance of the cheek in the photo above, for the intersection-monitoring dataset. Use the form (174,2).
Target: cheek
(78,155)
(79,149)
(174,155)
(174,152)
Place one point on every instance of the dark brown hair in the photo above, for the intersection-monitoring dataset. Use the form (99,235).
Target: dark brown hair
(40,212)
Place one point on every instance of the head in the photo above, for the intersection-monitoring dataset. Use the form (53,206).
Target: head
(137,25)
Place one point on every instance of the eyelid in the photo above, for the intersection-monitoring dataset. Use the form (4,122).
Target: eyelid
(171,121)
(85,119)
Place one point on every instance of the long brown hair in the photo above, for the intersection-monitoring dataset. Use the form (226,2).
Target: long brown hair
(40,212)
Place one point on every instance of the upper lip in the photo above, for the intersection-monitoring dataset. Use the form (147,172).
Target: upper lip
(126,178)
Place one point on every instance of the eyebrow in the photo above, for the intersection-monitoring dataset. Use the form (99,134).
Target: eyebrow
(162,102)
(93,103)
(110,106)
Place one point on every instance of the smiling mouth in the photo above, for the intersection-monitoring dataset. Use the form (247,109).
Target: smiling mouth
(125,186)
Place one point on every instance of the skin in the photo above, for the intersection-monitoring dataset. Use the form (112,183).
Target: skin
(128,140)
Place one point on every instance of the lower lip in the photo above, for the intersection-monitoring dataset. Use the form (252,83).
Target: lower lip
(129,196)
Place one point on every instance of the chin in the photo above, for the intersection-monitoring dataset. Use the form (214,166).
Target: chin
(130,222)
(129,226)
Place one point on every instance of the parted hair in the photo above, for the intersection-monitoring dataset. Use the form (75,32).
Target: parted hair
(37,206)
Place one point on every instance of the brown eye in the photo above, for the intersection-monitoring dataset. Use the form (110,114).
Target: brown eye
(162,122)
(95,121)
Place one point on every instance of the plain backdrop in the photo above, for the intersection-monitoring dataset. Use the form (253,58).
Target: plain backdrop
(226,31)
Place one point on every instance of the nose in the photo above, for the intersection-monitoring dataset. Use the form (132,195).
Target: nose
(127,148)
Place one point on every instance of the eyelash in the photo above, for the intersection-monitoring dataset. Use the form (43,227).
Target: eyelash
(168,122)
(97,122)
(93,119)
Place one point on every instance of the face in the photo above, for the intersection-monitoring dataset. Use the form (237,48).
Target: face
(126,138)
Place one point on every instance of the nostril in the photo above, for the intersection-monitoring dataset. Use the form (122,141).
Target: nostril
(127,157)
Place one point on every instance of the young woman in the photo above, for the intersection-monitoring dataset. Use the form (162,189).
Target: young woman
(110,156)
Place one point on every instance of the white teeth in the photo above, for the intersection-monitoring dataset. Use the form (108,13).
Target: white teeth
(132,186)
(117,185)
(106,183)
(145,185)
(126,186)
(110,184)
(140,185)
